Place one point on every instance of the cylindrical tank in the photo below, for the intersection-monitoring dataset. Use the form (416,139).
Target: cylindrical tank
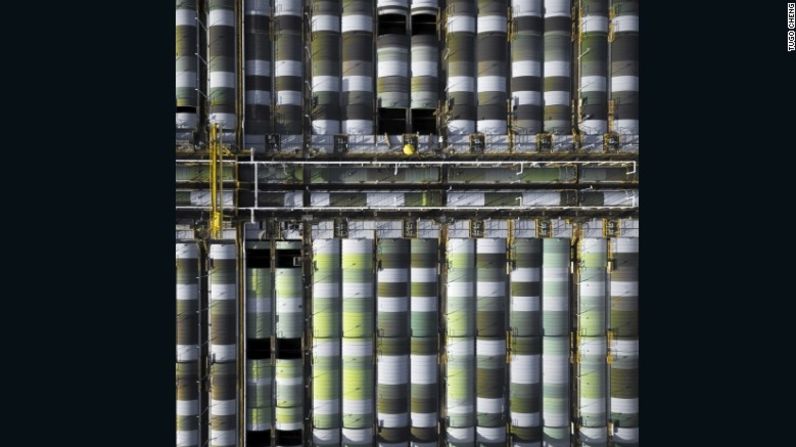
(624,66)
(526,329)
(257,42)
(326,391)
(186,65)
(460,312)
(557,67)
(259,283)
(425,73)
(187,404)
(357,99)
(490,345)
(259,376)
(392,83)
(223,405)
(357,391)
(392,301)
(223,295)
(289,394)
(593,71)
(221,63)
(424,327)
(187,256)
(624,347)
(357,348)
(392,6)
(326,324)
(460,387)
(326,290)
(289,66)
(555,343)
(492,66)
(591,318)
(526,65)
(289,309)
(460,316)
(326,66)
(460,54)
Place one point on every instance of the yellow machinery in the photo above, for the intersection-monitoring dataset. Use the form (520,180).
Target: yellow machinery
(217,152)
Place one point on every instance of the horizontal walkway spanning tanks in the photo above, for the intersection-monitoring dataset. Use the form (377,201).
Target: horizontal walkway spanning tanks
(407,223)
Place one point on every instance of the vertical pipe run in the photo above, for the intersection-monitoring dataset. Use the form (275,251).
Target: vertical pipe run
(258,72)
(491,342)
(526,65)
(593,72)
(555,342)
(492,61)
(591,317)
(326,352)
(326,67)
(526,339)
(186,66)
(392,301)
(221,59)
(624,65)
(460,56)
(557,67)
(289,66)
(357,68)
(460,316)
(358,301)
(424,327)
(624,345)
(223,294)
(187,257)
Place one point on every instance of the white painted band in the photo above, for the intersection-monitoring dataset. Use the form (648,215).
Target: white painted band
(357,23)
(187,353)
(187,407)
(526,303)
(185,79)
(423,304)
(185,17)
(223,407)
(358,127)
(424,369)
(525,369)
(625,23)
(460,24)
(325,83)
(392,68)
(486,405)
(324,347)
(461,84)
(595,24)
(288,68)
(492,127)
(624,84)
(424,420)
(461,127)
(491,24)
(190,291)
(526,274)
(357,84)
(390,420)
(424,274)
(557,69)
(491,434)
(357,406)
(593,84)
(222,79)
(221,17)
(556,98)
(325,22)
(325,127)
(423,68)
(260,97)
(223,353)
(526,419)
